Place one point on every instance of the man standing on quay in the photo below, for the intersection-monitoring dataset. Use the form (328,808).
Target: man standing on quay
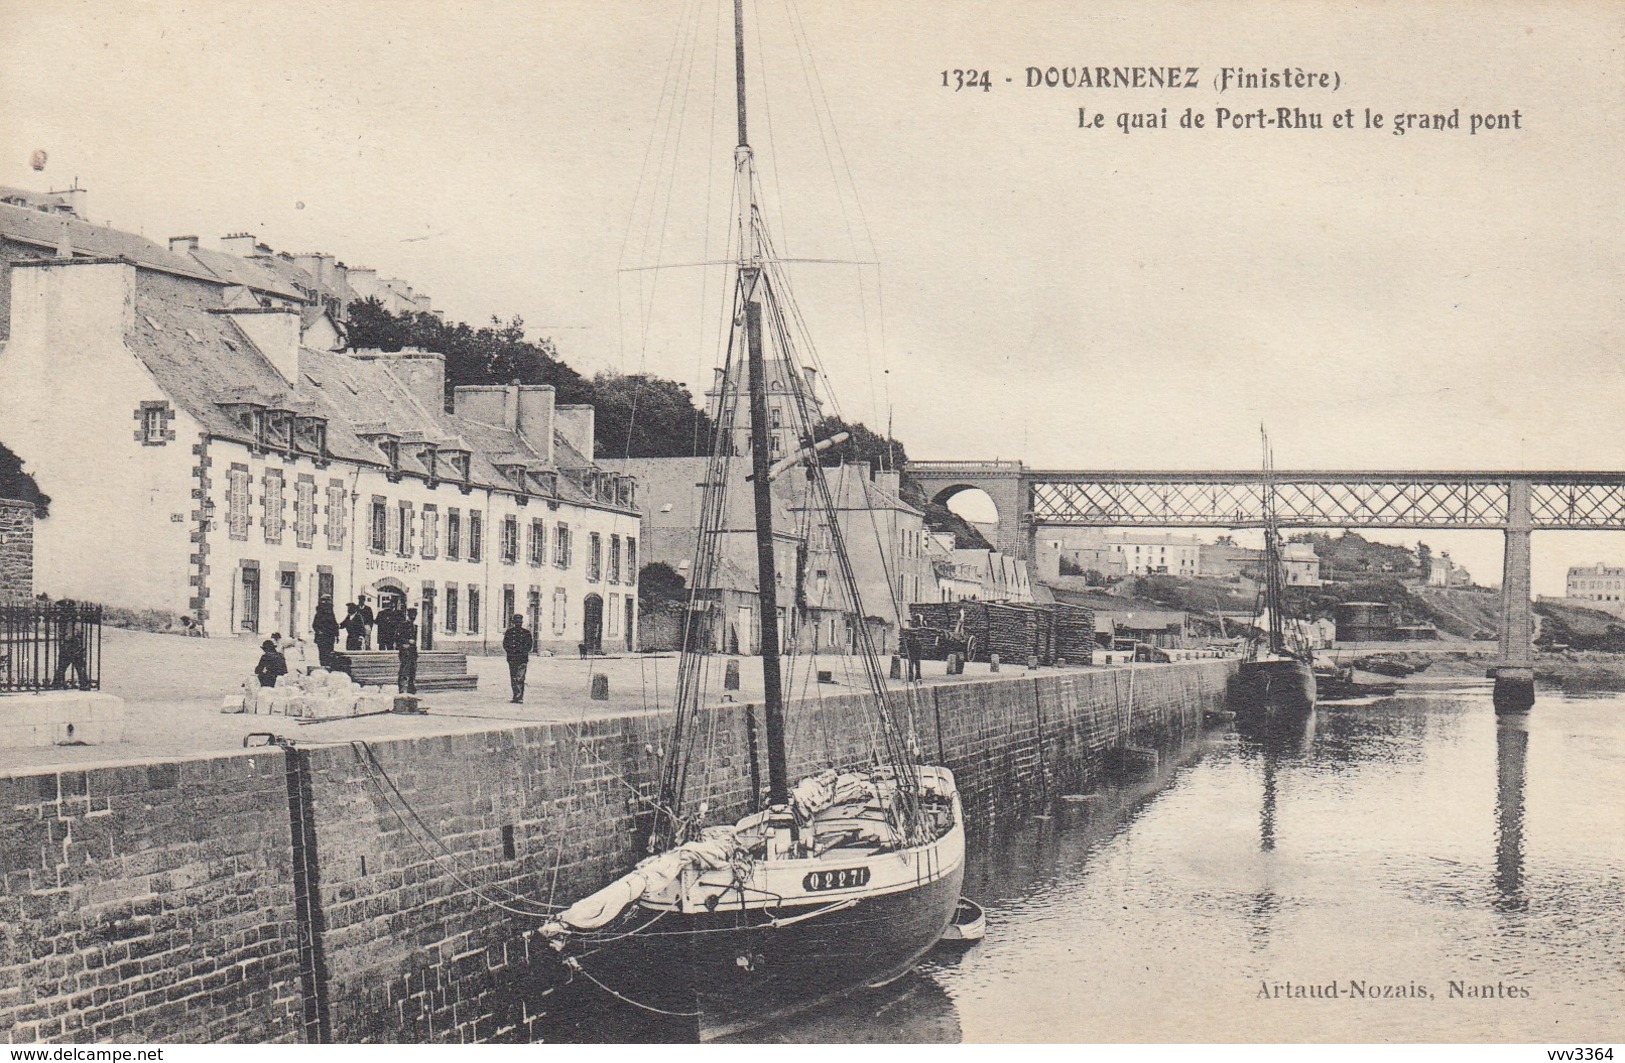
(406,630)
(517,643)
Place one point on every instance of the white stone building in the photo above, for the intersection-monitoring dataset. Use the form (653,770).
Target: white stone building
(1596,583)
(200,461)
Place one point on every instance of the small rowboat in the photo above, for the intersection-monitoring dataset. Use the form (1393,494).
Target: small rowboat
(969,924)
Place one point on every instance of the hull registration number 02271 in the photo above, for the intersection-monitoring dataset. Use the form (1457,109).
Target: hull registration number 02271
(836,879)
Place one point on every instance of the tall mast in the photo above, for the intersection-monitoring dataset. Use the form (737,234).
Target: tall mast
(1275,592)
(750,273)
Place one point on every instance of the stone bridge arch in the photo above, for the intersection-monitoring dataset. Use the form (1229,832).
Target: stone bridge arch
(1004,483)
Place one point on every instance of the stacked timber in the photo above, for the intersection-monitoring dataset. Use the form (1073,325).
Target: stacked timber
(1074,633)
(1018,632)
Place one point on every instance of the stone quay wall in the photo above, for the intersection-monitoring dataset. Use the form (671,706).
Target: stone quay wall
(390,891)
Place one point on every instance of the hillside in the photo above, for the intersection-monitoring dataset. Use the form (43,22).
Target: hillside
(1579,629)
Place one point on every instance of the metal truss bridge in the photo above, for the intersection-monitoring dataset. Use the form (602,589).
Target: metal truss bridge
(1513,503)
(1468,500)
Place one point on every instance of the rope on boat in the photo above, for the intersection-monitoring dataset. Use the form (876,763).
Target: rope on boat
(623,998)
(376,771)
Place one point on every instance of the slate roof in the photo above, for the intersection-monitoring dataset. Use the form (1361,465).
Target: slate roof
(202,359)
(45,231)
(248,272)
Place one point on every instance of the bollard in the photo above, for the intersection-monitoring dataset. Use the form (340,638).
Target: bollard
(600,686)
(896,667)
(993,662)
(1032,662)
(730,678)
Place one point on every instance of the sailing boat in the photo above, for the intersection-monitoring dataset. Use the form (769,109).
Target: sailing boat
(843,880)
(1276,677)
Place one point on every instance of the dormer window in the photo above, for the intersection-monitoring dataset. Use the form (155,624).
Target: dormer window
(277,430)
(310,436)
(429,456)
(392,452)
(457,462)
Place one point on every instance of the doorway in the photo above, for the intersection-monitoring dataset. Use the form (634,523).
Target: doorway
(426,619)
(631,618)
(592,624)
(286,598)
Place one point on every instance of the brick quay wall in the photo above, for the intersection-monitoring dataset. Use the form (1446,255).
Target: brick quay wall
(389,891)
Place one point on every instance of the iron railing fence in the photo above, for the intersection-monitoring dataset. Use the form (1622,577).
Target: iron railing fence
(46,645)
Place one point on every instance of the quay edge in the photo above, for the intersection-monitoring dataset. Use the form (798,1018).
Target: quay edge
(382,892)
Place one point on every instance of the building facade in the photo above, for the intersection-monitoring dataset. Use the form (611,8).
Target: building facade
(202,462)
(1596,583)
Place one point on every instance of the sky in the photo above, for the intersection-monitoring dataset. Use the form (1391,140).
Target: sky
(998,282)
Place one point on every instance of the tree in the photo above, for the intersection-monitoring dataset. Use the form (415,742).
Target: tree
(660,586)
(1070,567)
(16,483)
(643,416)
(881,452)
(1424,559)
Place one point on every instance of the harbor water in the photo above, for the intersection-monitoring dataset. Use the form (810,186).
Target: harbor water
(1405,869)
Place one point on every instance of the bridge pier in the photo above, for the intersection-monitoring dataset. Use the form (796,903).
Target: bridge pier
(1515,675)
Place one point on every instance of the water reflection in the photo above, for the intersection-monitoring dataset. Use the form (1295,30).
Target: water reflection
(1511,755)
(912,1010)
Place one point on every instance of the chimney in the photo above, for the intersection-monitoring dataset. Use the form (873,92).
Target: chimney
(890,482)
(536,418)
(422,303)
(73,200)
(182,245)
(240,244)
(423,373)
(275,332)
(486,403)
(64,241)
(576,424)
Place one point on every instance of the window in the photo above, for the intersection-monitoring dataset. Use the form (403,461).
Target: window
(380,524)
(775,418)
(154,418)
(324,585)
(237,503)
(473,609)
(451,609)
(510,540)
(595,556)
(431,531)
(614,560)
(250,613)
(475,535)
(538,543)
(336,516)
(405,522)
(561,546)
(612,614)
(304,512)
(271,504)
(507,604)
(631,561)
(454,534)
(560,611)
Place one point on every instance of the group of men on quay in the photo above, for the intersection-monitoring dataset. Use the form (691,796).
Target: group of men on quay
(397,631)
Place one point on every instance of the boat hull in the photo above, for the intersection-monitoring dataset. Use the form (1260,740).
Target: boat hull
(720,973)
(1275,687)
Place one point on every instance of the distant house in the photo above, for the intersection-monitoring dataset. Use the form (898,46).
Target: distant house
(1301,564)
(1597,583)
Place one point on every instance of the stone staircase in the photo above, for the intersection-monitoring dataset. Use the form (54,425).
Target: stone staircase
(437,669)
